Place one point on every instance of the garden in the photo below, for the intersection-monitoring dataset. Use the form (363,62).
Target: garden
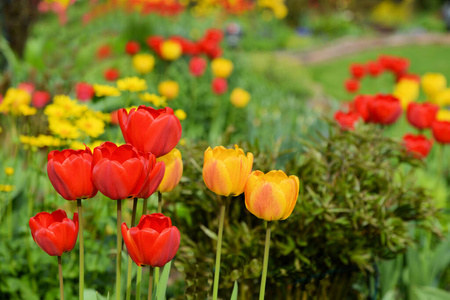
(225,149)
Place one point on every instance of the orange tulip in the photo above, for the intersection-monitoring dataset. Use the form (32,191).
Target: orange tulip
(225,171)
(271,196)
(174,170)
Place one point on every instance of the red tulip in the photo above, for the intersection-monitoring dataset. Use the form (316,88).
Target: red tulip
(197,66)
(111,74)
(400,65)
(132,47)
(84,91)
(361,105)
(155,173)
(54,233)
(219,85)
(154,42)
(104,52)
(421,115)
(351,85)
(441,131)
(409,76)
(40,99)
(384,109)
(357,70)
(69,172)
(26,86)
(386,61)
(150,130)
(114,117)
(347,120)
(214,34)
(417,145)
(154,242)
(374,68)
(119,172)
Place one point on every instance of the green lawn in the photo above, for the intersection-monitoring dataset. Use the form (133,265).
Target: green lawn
(331,74)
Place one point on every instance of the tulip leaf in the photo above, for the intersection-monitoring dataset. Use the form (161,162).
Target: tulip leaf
(162,284)
(234,294)
(208,232)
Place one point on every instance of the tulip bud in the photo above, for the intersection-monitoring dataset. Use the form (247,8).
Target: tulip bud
(174,170)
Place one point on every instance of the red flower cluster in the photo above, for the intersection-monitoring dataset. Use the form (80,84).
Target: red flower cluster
(396,65)
(209,44)
(161,7)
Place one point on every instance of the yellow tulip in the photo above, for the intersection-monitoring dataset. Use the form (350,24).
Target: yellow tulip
(171,50)
(222,67)
(271,196)
(9,171)
(240,97)
(406,90)
(433,83)
(443,115)
(143,63)
(168,89)
(174,170)
(441,98)
(225,171)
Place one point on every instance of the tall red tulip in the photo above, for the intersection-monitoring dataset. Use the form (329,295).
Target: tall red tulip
(154,242)
(84,91)
(441,131)
(347,120)
(154,42)
(119,172)
(219,85)
(357,70)
(40,99)
(351,85)
(111,74)
(132,47)
(421,115)
(384,109)
(197,66)
(374,68)
(155,173)
(69,172)
(361,105)
(418,145)
(150,130)
(54,233)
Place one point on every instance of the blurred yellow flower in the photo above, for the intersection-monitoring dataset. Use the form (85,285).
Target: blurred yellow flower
(169,89)
(222,67)
(180,114)
(9,171)
(143,63)
(26,110)
(240,97)
(13,100)
(106,90)
(433,83)
(132,84)
(91,126)
(171,50)
(54,111)
(443,115)
(154,99)
(6,188)
(64,129)
(40,141)
(406,90)
(441,98)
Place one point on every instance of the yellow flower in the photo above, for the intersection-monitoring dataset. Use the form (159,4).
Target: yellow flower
(173,172)
(15,99)
(64,129)
(406,90)
(433,83)
(240,97)
(6,188)
(280,11)
(77,145)
(65,102)
(171,50)
(40,141)
(180,114)
(221,67)
(441,98)
(106,90)
(91,126)
(9,171)
(26,110)
(225,171)
(154,99)
(143,63)
(271,196)
(132,84)
(169,89)
(443,115)
(54,111)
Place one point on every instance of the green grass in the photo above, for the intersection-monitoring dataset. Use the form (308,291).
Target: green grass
(331,74)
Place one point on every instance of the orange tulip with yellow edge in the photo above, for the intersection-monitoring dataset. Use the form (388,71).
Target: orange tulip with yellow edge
(271,196)
(222,67)
(174,170)
(225,171)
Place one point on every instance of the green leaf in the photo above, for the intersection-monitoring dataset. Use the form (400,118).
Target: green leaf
(208,232)
(162,284)
(234,294)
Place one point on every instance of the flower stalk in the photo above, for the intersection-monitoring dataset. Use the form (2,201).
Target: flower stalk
(119,248)
(81,243)
(61,283)
(130,262)
(218,252)
(265,262)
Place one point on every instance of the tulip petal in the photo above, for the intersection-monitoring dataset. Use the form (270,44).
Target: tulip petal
(216,177)
(290,188)
(49,242)
(145,240)
(165,247)
(267,201)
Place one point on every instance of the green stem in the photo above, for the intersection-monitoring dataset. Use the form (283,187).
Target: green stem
(265,263)
(80,237)
(441,162)
(139,272)
(119,248)
(130,262)
(218,252)
(150,284)
(61,283)
(160,202)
